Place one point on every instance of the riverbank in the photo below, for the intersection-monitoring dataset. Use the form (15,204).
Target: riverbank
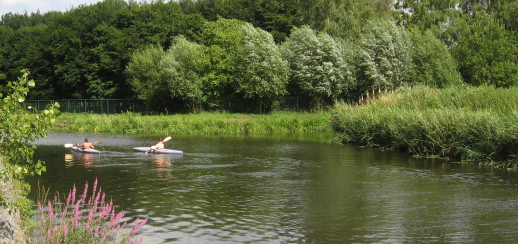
(192,124)
(469,124)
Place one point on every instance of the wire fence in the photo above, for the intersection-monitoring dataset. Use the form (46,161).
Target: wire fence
(97,106)
(114,106)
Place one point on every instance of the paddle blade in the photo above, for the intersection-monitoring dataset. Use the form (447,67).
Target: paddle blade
(167,139)
(69,145)
(98,142)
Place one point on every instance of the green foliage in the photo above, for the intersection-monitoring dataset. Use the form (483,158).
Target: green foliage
(198,124)
(384,60)
(83,52)
(18,127)
(342,18)
(222,39)
(507,13)
(424,14)
(184,64)
(463,123)
(433,64)
(276,17)
(485,51)
(260,72)
(148,76)
(317,68)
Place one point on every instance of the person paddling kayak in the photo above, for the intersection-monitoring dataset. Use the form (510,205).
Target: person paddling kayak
(160,145)
(86,144)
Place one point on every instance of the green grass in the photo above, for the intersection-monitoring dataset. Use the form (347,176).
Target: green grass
(476,125)
(189,124)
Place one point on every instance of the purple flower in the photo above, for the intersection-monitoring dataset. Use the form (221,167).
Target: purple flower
(48,236)
(85,191)
(65,231)
(51,213)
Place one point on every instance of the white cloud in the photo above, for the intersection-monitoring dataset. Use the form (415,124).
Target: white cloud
(32,6)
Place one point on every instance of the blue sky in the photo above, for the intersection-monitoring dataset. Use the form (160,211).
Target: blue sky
(20,6)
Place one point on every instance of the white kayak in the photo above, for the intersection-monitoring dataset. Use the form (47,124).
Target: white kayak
(84,150)
(161,151)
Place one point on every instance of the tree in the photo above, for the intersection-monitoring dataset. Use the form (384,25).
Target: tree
(148,77)
(384,60)
(222,39)
(424,14)
(317,68)
(508,15)
(432,63)
(183,65)
(485,51)
(342,18)
(260,72)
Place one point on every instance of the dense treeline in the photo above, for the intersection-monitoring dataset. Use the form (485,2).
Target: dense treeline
(246,55)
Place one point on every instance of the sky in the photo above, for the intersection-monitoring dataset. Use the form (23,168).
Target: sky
(20,6)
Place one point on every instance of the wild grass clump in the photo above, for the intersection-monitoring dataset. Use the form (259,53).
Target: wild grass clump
(203,123)
(79,220)
(469,124)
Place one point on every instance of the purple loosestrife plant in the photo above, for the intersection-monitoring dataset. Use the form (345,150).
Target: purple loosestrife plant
(64,222)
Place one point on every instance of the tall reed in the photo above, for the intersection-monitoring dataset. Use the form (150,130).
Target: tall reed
(77,219)
(469,124)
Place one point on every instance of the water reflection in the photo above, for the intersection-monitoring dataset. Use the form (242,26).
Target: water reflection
(164,164)
(86,159)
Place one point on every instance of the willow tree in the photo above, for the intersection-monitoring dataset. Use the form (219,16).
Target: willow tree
(147,76)
(260,72)
(183,65)
(384,60)
(318,70)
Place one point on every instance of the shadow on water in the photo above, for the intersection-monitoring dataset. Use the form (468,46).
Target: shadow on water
(287,190)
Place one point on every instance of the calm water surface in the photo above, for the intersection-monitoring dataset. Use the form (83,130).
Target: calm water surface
(287,190)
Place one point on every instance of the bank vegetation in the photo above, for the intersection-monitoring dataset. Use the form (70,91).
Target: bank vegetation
(196,124)
(469,124)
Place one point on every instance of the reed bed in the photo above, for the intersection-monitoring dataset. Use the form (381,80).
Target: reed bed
(476,125)
(203,123)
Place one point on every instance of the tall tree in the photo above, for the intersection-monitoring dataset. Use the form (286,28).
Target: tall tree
(260,72)
(318,70)
(222,39)
(342,18)
(184,64)
(384,60)
(432,62)
(148,77)
(508,14)
(424,14)
(485,51)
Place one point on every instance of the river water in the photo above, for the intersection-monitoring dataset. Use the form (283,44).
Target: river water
(287,189)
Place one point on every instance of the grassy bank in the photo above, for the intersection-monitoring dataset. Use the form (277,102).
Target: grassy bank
(204,123)
(477,125)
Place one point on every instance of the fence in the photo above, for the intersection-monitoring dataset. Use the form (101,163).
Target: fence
(98,106)
(113,106)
